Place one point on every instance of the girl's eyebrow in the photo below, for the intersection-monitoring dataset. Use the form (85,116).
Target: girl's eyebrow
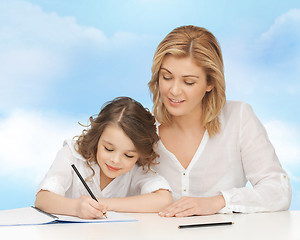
(107,142)
(134,151)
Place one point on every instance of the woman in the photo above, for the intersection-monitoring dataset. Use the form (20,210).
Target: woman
(209,148)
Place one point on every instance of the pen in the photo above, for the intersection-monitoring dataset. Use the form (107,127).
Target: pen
(85,185)
(205,225)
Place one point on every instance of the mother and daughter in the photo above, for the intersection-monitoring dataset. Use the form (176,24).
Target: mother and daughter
(193,157)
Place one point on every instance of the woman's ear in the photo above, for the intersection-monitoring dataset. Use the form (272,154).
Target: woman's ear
(209,88)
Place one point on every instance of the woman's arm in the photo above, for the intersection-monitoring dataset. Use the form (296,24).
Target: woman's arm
(271,189)
(149,202)
(83,207)
(189,206)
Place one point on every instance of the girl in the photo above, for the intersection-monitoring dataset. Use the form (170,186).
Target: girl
(115,154)
(210,148)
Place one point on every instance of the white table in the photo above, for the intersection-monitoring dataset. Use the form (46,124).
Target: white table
(275,226)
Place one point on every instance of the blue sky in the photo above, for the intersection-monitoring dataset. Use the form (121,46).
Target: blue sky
(61,60)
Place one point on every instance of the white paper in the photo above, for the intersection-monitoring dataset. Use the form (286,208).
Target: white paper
(31,216)
(111,217)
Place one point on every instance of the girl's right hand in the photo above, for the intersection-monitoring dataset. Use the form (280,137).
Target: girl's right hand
(88,208)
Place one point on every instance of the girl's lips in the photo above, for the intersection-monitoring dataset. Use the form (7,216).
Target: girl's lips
(114,169)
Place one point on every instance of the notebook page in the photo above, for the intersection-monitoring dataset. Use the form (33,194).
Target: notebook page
(23,216)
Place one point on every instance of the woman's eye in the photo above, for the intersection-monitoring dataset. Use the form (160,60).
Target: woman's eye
(108,149)
(129,156)
(167,78)
(190,83)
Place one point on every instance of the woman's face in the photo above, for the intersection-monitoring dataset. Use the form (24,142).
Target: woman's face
(182,85)
(116,154)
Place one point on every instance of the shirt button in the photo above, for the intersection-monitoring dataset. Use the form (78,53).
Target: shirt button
(184,190)
(183,174)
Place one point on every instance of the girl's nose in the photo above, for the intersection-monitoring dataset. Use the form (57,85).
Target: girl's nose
(115,158)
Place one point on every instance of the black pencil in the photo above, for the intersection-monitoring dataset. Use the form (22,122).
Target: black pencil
(205,225)
(85,185)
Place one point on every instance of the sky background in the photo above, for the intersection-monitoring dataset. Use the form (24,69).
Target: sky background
(61,60)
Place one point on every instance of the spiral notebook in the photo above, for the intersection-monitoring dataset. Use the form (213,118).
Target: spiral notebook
(35,216)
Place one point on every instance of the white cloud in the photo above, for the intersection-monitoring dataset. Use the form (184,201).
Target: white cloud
(38,49)
(30,140)
(286,140)
(27,24)
(270,63)
(284,27)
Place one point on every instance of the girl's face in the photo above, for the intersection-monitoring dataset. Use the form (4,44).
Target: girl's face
(116,154)
(182,85)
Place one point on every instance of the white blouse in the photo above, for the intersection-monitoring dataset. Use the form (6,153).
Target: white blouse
(61,178)
(223,164)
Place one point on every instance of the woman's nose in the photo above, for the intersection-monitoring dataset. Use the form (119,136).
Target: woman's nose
(175,88)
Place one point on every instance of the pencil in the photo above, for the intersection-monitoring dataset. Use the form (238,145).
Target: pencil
(205,225)
(85,185)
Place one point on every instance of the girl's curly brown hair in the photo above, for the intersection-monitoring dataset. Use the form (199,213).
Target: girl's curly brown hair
(137,123)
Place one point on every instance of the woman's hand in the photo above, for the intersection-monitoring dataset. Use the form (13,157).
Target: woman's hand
(88,208)
(189,206)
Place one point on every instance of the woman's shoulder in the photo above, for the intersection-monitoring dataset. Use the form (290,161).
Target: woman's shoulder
(234,111)
(232,107)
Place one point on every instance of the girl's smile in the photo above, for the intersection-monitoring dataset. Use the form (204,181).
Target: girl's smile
(113,169)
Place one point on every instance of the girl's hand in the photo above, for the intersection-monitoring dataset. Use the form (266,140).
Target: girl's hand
(189,206)
(88,208)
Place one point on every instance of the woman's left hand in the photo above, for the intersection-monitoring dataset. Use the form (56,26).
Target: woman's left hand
(189,206)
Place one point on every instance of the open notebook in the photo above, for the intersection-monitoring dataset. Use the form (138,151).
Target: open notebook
(35,216)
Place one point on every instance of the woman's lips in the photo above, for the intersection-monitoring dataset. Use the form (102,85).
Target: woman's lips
(175,102)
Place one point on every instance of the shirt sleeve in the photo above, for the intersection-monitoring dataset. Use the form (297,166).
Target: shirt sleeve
(146,182)
(271,189)
(59,177)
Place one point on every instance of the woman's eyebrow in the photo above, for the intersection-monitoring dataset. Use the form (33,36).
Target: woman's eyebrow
(185,76)
(194,76)
(165,69)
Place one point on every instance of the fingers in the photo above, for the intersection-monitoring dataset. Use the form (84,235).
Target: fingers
(188,206)
(176,208)
(185,213)
(99,208)
(102,205)
(90,209)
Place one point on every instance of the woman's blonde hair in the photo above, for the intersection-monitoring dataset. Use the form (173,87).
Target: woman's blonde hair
(201,45)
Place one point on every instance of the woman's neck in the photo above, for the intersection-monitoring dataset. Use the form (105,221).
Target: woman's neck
(187,123)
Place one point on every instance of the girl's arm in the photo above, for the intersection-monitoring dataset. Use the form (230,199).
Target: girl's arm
(83,207)
(149,202)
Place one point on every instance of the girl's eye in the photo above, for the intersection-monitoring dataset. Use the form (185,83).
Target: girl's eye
(129,156)
(108,149)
